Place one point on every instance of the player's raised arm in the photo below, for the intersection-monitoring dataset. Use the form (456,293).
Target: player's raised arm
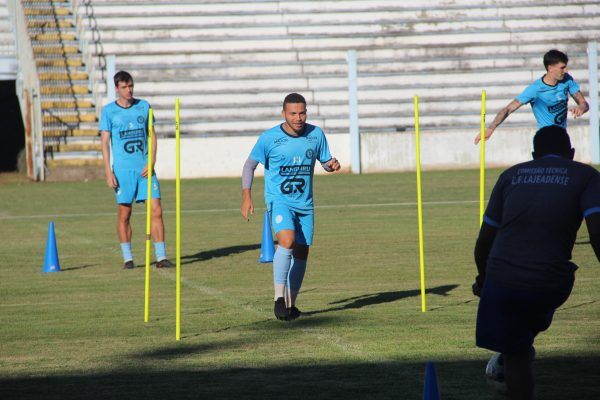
(247,178)
(500,117)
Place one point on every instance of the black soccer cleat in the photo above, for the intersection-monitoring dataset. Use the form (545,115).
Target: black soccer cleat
(128,265)
(279,309)
(164,264)
(293,313)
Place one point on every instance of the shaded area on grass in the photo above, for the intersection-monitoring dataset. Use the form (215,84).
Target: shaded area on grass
(352,380)
(380,298)
(222,252)
(79,267)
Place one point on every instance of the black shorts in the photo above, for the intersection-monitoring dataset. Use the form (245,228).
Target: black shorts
(509,319)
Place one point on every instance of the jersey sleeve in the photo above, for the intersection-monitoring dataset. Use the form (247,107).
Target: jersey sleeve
(590,198)
(528,95)
(494,210)
(105,124)
(324,154)
(259,151)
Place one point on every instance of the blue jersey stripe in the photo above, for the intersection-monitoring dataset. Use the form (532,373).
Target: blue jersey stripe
(491,222)
(591,211)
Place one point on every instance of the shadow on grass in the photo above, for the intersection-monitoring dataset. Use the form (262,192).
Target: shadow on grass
(80,267)
(556,377)
(380,298)
(222,252)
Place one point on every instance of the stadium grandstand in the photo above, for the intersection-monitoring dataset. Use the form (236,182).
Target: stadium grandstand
(231,62)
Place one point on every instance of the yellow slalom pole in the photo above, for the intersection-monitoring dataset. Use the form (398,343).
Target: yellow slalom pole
(177,226)
(148,216)
(482,161)
(420,205)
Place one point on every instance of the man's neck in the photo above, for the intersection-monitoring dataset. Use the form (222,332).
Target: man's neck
(548,80)
(124,102)
(289,130)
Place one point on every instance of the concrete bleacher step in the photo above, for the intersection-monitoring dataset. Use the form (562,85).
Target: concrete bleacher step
(380,66)
(323,43)
(142,60)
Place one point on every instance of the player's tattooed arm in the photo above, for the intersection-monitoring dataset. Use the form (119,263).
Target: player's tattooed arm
(582,105)
(332,165)
(500,117)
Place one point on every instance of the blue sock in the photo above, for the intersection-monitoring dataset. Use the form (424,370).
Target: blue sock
(281,265)
(126,250)
(160,251)
(296,275)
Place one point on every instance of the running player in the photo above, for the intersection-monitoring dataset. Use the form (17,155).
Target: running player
(289,152)
(548,96)
(124,128)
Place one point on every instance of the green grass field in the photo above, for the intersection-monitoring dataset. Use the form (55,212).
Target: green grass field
(80,333)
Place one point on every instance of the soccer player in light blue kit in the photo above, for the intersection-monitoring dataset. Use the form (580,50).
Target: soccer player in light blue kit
(124,128)
(289,152)
(548,96)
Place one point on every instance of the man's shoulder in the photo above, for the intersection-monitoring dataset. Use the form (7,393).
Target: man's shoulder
(568,78)
(141,103)
(109,107)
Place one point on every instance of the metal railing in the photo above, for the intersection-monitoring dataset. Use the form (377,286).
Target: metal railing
(28,92)
(85,44)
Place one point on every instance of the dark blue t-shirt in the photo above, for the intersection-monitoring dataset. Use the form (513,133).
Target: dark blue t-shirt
(538,206)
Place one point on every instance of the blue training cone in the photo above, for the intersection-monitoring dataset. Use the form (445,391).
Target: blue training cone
(267,250)
(432,390)
(51,263)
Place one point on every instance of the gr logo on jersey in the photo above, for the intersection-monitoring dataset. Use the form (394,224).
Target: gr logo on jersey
(140,119)
(133,145)
(310,154)
(293,185)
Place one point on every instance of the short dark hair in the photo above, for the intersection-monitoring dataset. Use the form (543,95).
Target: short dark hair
(554,57)
(293,98)
(551,139)
(122,76)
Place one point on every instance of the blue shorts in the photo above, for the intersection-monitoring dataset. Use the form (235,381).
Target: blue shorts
(302,223)
(133,186)
(509,319)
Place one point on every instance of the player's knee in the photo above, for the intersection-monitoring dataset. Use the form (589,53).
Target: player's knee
(286,242)
(157,212)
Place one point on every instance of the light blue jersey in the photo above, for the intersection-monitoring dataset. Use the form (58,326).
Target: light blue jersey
(128,129)
(549,103)
(290,164)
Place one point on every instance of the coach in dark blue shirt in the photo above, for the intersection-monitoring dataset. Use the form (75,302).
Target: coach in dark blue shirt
(523,253)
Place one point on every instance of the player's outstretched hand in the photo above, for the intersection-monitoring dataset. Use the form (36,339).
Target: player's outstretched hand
(247,208)
(334,164)
(577,112)
(488,133)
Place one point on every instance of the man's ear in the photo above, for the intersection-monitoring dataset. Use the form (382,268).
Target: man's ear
(571,154)
(534,155)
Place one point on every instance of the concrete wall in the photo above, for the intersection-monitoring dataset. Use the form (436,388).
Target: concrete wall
(381,152)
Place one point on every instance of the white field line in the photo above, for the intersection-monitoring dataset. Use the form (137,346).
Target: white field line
(219,210)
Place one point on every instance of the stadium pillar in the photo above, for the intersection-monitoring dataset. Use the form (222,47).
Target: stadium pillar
(110,72)
(353,112)
(593,93)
